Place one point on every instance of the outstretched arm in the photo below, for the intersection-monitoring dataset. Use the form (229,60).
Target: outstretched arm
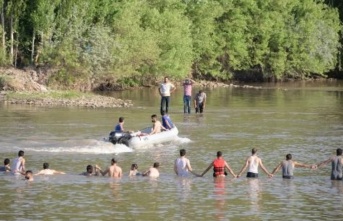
(175,169)
(277,168)
(188,165)
(264,169)
(324,162)
(297,164)
(207,169)
(230,170)
(244,167)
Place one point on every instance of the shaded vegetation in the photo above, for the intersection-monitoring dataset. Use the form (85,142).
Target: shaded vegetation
(135,42)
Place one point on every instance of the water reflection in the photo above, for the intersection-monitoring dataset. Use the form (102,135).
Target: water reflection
(184,188)
(220,197)
(254,193)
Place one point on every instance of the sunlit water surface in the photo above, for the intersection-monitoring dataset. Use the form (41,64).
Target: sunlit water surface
(305,120)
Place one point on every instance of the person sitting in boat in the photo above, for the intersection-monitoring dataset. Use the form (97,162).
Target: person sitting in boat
(166,121)
(157,126)
(120,126)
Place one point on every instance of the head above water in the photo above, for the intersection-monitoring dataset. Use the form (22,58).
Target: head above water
(134,166)
(113,161)
(289,156)
(253,151)
(28,174)
(156,165)
(45,166)
(339,151)
(182,152)
(219,154)
(6,161)
(121,119)
(89,169)
(20,153)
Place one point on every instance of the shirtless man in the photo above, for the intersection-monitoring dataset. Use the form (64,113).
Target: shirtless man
(288,166)
(253,162)
(157,125)
(182,165)
(337,165)
(153,171)
(112,171)
(47,171)
(18,164)
(6,167)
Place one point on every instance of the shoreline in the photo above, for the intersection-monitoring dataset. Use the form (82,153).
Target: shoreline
(63,99)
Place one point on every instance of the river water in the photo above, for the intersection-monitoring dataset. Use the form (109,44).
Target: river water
(304,119)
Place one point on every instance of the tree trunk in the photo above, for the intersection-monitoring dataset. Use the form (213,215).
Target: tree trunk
(3,29)
(12,39)
(16,50)
(33,46)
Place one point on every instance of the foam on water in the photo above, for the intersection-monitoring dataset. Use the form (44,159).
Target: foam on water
(88,146)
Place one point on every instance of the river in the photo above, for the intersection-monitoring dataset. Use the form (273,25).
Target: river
(304,119)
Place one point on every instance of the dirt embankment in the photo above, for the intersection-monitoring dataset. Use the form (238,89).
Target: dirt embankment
(28,87)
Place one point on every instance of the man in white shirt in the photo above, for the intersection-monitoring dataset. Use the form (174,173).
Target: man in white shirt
(182,165)
(165,89)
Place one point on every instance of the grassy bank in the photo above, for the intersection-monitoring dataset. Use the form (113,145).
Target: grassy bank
(64,98)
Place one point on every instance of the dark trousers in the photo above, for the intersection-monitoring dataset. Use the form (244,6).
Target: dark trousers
(199,108)
(186,104)
(165,104)
(252,175)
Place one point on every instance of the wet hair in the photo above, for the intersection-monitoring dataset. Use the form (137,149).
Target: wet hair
(134,166)
(339,151)
(182,152)
(113,161)
(153,116)
(289,156)
(121,119)
(28,172)
(20,153)
(254,150)
(89,169)
(45,166)
(6,161)
(219,154)
(156,165)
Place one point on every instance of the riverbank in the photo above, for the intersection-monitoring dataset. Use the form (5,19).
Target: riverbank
(64,99)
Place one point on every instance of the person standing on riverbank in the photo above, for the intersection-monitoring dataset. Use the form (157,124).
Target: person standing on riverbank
(187,95)
(288,166)
(165,89)
(200,101)
(219,165)
(253,162)
(18,164)
(336,165)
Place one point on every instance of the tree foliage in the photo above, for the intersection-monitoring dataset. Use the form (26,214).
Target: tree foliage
(143,39)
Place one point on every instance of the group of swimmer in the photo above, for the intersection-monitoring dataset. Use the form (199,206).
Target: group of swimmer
(182,167)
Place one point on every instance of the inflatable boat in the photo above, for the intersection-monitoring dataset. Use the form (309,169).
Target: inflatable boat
(139,139)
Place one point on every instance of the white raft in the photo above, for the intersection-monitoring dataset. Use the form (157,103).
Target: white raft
(137,141)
